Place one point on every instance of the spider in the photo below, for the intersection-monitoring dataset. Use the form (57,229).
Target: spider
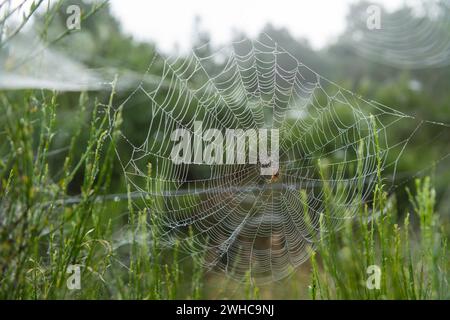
(274,177)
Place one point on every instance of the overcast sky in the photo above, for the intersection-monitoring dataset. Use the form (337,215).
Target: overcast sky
(170,22)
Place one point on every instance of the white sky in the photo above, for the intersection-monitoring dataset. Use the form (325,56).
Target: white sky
(170,22)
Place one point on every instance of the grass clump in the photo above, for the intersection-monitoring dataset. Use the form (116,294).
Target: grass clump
(383,254)
(48,224)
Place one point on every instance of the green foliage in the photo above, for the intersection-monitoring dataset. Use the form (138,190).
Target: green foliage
(414,264)
(43,229)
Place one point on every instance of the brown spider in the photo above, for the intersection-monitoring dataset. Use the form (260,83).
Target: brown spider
(274,177)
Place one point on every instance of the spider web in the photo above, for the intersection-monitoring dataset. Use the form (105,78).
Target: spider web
(414,37)
(332,142)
